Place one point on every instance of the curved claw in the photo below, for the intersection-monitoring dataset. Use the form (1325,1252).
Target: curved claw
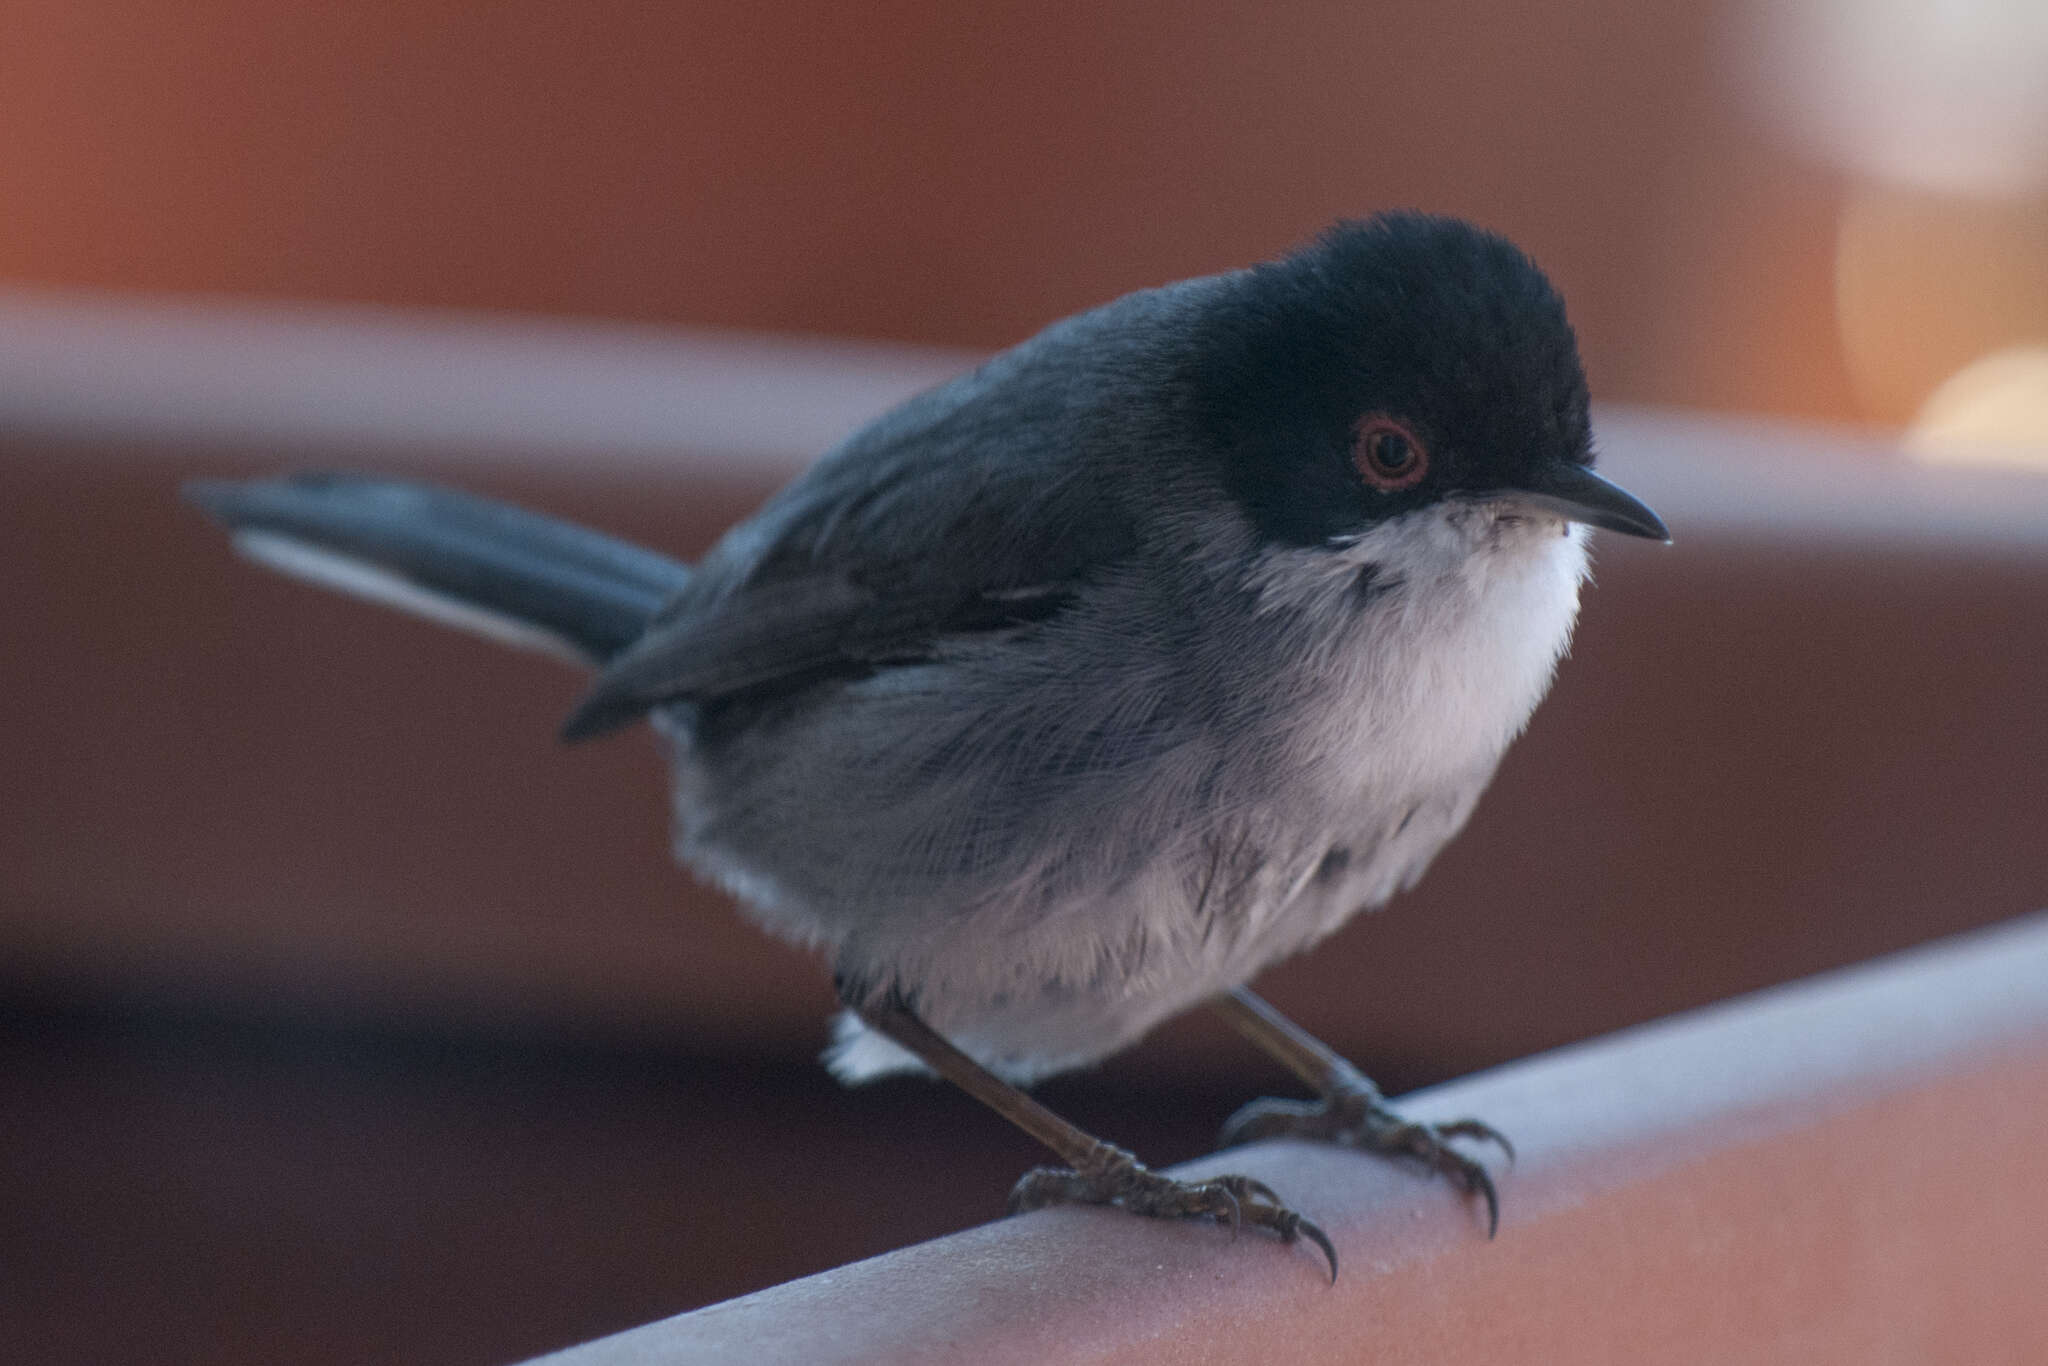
(1359,1117)
(1427,1141)
(1479,1130)
(1479,1179)
(1289,1224)
(1127,1184)
(1274,1119)
(1322,1240)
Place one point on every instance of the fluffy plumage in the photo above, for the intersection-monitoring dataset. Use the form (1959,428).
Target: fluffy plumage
(1083,687)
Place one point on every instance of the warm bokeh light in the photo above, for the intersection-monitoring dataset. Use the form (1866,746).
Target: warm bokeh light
(1994,412)
(1929,124)
(1926,284)
(1950,97)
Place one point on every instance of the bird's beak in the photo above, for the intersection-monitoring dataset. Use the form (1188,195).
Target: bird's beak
(1577,494)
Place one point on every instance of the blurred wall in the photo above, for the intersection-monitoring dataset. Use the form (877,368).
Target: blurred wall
(918,169)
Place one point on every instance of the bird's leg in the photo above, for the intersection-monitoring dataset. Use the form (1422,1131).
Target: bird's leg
(1096,1173)
(1352,1111)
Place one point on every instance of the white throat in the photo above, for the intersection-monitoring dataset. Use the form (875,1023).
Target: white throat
(1429,669)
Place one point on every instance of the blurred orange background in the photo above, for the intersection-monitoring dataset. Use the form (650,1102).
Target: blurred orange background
(925,170)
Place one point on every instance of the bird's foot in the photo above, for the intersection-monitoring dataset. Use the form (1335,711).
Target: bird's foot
(1357,1115)
(1115,1177)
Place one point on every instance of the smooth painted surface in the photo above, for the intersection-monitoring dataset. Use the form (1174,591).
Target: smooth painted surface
(1835,1171)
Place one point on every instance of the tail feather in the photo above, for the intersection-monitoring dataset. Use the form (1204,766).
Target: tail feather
(493,568)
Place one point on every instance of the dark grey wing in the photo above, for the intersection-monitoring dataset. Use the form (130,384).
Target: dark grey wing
(790,633)
(981,505)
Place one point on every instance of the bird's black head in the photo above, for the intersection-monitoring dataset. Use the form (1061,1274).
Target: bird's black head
(1394,363)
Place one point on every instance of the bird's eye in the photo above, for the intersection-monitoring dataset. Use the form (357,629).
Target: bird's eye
(1387,454)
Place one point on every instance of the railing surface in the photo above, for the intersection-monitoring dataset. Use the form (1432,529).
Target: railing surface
(1842,1170)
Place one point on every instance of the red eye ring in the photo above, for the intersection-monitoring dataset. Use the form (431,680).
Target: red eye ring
(1386,454)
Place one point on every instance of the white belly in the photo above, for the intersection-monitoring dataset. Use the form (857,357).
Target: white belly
(1394,716)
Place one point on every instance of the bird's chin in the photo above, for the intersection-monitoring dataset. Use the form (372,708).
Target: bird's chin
(1504,525)
(1528,525)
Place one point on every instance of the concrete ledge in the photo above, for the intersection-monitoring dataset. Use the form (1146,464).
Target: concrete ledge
(173,372)
(1840,1170)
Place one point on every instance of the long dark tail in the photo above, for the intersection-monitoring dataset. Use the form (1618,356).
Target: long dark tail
(496,569)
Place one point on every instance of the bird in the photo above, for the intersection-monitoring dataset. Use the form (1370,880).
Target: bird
(1070,694)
